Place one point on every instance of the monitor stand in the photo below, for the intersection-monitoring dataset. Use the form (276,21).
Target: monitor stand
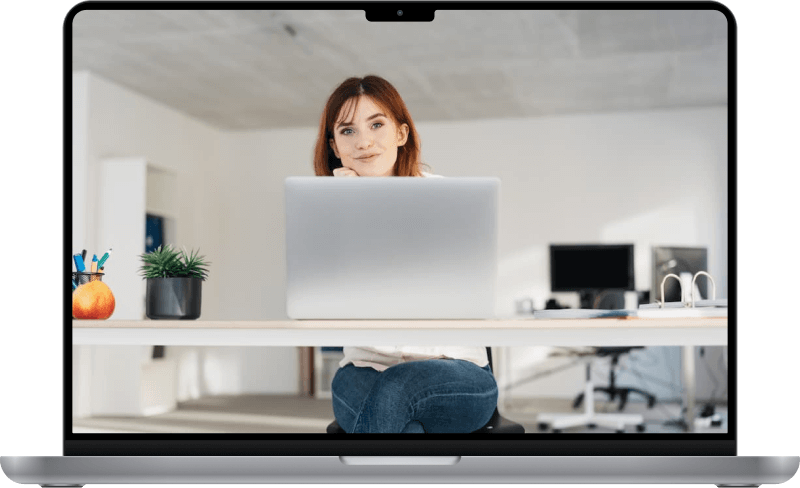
(608,298)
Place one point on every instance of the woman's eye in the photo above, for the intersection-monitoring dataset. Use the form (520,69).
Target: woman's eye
(344,131)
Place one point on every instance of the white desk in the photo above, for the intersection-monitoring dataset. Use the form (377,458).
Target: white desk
(686,332)
(496,332)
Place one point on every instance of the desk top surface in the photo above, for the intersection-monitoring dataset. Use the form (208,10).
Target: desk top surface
(500,323)
(703,331)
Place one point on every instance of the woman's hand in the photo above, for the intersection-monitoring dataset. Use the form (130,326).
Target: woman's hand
(343,171)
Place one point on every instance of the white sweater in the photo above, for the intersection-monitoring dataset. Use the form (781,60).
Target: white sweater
(381,357)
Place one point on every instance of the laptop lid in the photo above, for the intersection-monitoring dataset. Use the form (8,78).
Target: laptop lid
(372,228)
(602,128)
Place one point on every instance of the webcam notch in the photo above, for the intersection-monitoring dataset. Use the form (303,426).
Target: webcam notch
(400,13)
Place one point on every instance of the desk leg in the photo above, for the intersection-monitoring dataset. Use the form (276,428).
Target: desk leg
(689,386)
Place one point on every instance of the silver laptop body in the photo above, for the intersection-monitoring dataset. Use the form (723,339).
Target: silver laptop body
(460,284)
(71,471)
(391,248)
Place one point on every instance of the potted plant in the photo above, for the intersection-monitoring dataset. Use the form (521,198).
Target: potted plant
(174,282)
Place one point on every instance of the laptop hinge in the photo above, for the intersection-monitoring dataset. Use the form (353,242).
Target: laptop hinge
(394,460)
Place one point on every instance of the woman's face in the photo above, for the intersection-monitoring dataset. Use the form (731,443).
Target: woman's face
(368,143)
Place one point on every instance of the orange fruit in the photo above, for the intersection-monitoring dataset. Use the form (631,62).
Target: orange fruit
(93,300)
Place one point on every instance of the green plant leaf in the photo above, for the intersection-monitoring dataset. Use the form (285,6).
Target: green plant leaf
(166,262)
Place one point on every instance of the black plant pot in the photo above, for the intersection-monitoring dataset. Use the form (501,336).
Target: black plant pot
(173,298)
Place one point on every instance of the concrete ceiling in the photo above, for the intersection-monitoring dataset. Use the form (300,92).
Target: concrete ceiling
(249,69)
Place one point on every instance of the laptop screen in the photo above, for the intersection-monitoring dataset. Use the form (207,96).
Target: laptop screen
(607,129)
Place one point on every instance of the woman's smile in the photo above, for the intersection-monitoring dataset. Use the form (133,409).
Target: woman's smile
(367,159)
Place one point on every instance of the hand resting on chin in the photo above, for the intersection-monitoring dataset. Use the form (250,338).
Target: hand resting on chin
(343,171)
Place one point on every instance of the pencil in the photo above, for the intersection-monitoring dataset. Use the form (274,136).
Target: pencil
(103,259)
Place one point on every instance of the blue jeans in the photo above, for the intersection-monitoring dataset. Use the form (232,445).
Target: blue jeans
(434,396)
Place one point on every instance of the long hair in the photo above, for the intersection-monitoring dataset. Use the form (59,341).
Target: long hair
(385,96)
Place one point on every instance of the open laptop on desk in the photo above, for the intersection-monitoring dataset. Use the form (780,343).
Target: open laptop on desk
(547,101)
(446,226)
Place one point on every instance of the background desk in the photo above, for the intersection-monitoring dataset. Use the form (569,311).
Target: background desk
(686,332)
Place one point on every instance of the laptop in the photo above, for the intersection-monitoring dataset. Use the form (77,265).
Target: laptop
(349,242)
(142,396)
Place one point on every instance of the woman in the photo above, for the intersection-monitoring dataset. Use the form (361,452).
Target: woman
(366,130)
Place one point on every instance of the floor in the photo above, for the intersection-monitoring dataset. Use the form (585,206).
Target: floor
(291,414)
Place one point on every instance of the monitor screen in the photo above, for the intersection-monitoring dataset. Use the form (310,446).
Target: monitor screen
(591,267)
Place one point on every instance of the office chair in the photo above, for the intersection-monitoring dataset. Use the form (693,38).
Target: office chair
(496,425)
(612,390)
(589,418)
(612,300)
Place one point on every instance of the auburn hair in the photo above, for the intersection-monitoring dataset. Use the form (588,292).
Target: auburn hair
(387,98)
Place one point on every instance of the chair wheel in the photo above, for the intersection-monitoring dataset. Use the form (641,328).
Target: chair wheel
(592,426)
(556,431)
(543,426)
(640,427)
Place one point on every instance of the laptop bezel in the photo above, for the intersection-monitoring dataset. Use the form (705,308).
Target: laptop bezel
(529,444)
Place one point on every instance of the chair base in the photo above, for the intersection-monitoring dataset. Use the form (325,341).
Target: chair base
(589,418)
(616,421)
(618,392)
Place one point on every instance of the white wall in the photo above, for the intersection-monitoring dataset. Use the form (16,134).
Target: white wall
(650,177)
(80,157)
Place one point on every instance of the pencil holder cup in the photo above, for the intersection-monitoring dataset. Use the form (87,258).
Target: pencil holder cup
(81,278)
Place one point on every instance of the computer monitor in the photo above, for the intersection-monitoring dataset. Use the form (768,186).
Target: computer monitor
(677,260)
(591,268)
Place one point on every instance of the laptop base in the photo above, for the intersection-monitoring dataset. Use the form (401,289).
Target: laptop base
(75,471)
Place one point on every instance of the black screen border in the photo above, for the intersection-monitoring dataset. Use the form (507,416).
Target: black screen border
(529,444)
